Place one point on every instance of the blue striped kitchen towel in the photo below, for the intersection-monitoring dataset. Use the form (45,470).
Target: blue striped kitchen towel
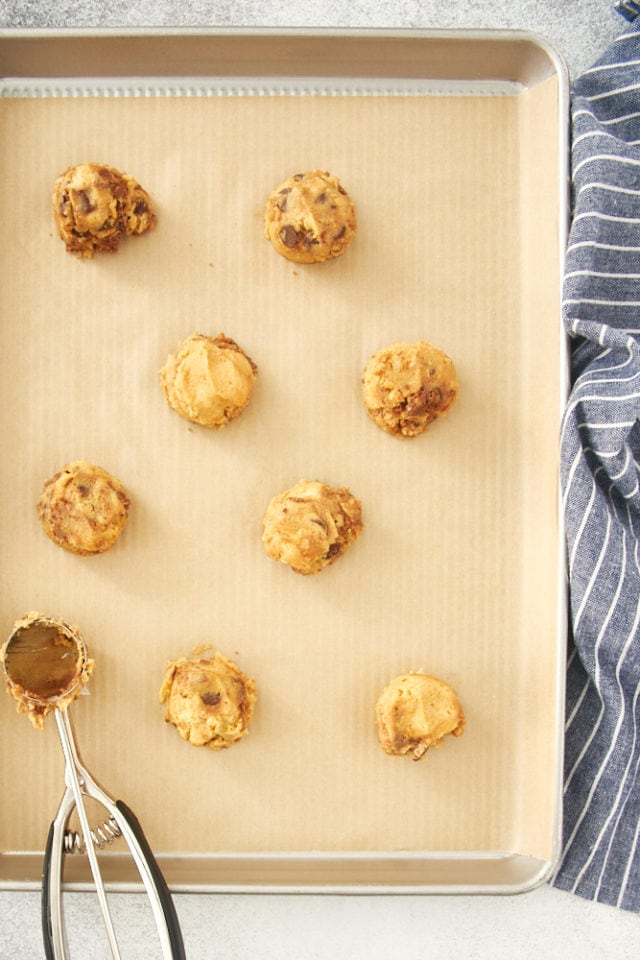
(600,467)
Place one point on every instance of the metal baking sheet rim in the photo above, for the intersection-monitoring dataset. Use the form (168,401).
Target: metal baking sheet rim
(501,873)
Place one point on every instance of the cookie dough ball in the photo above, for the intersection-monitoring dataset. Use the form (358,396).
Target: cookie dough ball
(95,207)
(415,712)
(83,508)
(310,218)
(310,525)
(208,380)
(209,700)
(405,386)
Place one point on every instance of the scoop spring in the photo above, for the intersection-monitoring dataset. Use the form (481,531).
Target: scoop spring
(101,836)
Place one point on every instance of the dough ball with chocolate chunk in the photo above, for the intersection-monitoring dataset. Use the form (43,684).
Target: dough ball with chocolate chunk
(209,700)
(415,712)
(95,207)
(405,386)
(310,525)
(83,508)
(310,218)
(208,380)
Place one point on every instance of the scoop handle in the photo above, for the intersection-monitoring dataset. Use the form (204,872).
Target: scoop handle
(45,897)
(157,881)
(161,900)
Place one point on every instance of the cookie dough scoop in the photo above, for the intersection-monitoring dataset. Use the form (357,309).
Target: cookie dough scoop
(46,666)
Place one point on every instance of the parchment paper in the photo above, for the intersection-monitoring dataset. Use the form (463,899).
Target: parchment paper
(456,570)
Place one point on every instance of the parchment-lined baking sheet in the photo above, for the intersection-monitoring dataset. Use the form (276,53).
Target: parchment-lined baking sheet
(458,199)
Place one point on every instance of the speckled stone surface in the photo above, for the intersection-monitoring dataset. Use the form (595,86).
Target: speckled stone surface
(543,924)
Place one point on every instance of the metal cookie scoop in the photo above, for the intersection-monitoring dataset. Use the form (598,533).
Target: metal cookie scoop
(46,665)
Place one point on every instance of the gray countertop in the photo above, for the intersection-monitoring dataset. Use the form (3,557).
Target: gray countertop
(543,923)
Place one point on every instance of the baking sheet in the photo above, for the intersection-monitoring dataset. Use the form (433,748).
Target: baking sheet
(458,196)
